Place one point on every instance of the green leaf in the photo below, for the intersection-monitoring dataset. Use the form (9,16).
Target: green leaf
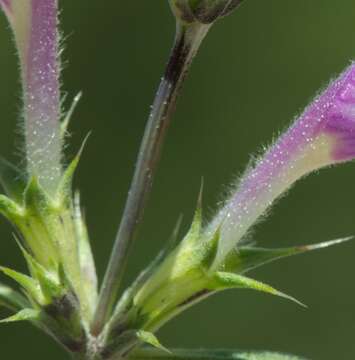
(27,283)
(11,299)
(23,315)
(11,179)
(245,259)
(152,354)
(150,339)
(224,280)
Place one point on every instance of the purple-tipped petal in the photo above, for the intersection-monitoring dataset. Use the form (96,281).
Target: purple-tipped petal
(323,135)
(34,23)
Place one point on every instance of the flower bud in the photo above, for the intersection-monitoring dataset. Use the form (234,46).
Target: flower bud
(203,11)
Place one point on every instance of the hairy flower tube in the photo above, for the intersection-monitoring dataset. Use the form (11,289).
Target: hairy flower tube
(34,23)
(210,258)
(323,135)
(61,291)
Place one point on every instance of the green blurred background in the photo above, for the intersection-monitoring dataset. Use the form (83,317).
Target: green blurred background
(256,70)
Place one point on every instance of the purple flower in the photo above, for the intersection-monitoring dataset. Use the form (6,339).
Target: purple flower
(323,135)
(34,23)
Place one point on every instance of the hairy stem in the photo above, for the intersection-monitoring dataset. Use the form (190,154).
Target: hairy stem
(187,41)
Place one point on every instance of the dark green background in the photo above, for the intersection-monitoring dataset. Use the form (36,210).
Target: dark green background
(256,70)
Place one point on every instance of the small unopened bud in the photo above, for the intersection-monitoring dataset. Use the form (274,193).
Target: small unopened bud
(203,11)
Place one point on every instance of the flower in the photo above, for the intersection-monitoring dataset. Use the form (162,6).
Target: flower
(210,258)
(323,135)
(53,235)
(34,23)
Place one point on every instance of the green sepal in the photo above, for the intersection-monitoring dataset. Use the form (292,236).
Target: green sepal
(32,264)
(173,237)
(86,258)
(181,267)
(63,278)
(36,199)
(224,280)
(59,315)
(23,315)
(150,339)
(49,218)
(12,180)
(194,232)
(36,224)
(245,259)
(224,354)
(50,286)
(30,285)
(126,300)
(65,122)
(213,243)
(65,185)
(10,209)
(12,299)
(165,251)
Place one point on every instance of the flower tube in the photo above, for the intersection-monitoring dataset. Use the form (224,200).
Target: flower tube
(34,23)
(41,207)
(323,135)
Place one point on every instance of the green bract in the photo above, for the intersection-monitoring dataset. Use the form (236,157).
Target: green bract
(60,292)
(61,289)
(181,276)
